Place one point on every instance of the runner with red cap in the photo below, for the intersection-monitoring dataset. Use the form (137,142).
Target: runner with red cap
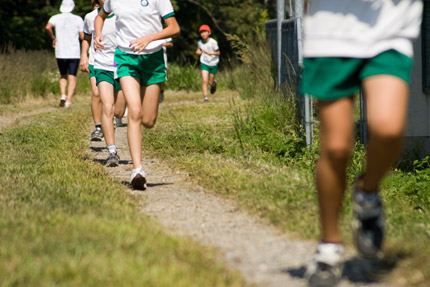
(208,51)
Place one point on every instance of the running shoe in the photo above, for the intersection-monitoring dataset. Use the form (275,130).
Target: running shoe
(113,159)
(161,96)
(368,222)
(118,122)
(138,179)
(206,99)
(213,88)
(68,104)
(326,266)
(97,135)
(62,101)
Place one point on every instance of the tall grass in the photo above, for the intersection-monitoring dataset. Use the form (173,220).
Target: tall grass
(31,74)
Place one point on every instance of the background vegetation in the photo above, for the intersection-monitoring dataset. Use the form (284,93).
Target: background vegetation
(22,22)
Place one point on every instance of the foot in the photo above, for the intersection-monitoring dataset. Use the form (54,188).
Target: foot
(206,99)
(113,159)
(368,222)
(97,135)
(138,179)
(161,96)
(325,269)
(62,101)
(213,87)
(118,122)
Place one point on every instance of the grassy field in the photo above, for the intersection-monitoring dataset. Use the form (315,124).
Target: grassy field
(64,222)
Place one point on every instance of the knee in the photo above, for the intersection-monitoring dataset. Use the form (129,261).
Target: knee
(108,109)
(387,129)
(134,114)
(148,123)
(338,152)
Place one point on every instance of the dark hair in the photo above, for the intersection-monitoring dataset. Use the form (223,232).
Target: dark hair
(94,3)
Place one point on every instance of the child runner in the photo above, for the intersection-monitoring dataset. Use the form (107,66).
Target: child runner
(209,57)
(140,64)
(109,87)
(351,45)
(68,32)
(87,65)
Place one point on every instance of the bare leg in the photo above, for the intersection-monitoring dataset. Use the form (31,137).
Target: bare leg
(120,104)
(151,96)
(205,77)
(107,97)
(71,88)
(131,89)
(387,101)
(335,150)
(211,79)
(63,84)
(96,107)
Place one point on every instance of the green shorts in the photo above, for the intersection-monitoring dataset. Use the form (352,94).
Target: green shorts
(149,69)
(210,69)
(331,78)
(107,76)
(92,73)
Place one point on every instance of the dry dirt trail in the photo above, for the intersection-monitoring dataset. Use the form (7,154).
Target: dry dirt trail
(265,256)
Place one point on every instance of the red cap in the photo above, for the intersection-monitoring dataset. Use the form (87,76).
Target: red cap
(204,28)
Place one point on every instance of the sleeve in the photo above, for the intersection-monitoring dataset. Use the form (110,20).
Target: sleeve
(199,45)
(107,7)
(215,45)
(52,20)
(165,9)
(87,25)
(80,24)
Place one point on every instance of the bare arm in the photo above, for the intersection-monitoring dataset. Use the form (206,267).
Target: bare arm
(81,36)
(86,43)
(172,29)
(98,28)
(50,32)
(168,44)
(216,53)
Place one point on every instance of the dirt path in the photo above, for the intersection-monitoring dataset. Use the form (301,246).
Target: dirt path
(262,254)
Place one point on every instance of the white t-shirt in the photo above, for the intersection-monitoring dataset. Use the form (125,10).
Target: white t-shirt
(361,28)
(89,30)
(211,46)
(137,18)
(67,29)
(103,59)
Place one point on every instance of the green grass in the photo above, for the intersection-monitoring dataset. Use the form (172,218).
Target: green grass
(65,222)
(34,74)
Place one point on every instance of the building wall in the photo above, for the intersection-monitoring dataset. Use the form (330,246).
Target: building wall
(417,136)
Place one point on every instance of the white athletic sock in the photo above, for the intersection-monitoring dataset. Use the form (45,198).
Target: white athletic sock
(111,148)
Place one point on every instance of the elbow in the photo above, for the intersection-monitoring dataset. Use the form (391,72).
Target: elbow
(177,30)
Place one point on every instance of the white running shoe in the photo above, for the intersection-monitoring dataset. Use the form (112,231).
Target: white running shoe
(326,266)
(68,104)
(138,178)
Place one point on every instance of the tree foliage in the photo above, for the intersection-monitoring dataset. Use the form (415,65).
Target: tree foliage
(22,22)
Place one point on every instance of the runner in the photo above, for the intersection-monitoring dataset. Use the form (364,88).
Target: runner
(140,64)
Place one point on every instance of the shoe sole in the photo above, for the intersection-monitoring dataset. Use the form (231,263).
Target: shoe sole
(96,139)
(368,245)
(112,164)
(62,103)
(138,182)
